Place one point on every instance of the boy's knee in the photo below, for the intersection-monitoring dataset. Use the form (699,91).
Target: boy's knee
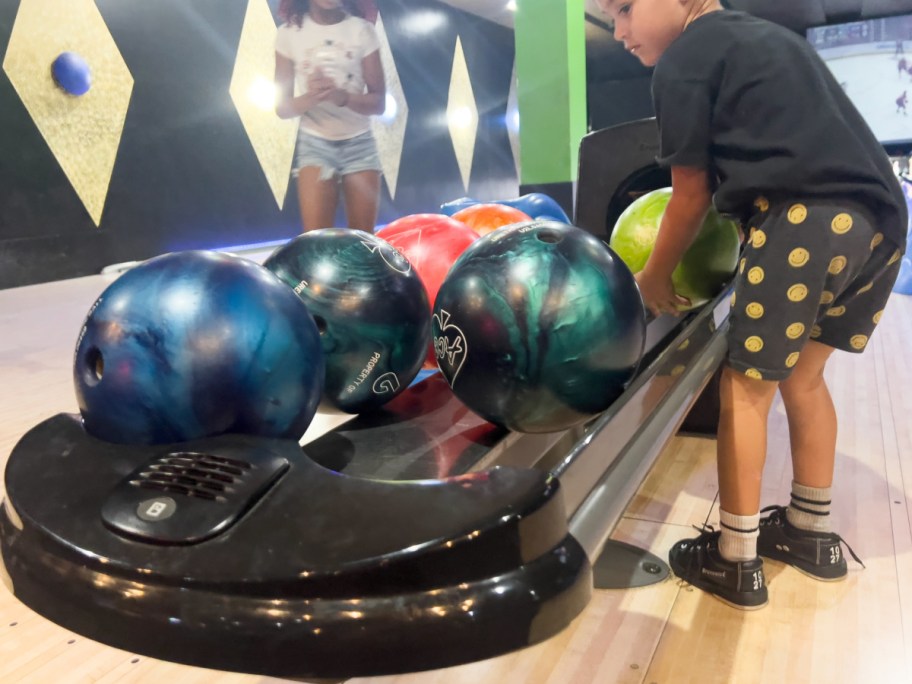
(738,387)
(801,380)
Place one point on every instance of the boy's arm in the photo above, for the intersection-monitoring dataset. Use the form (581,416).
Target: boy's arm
(690,200)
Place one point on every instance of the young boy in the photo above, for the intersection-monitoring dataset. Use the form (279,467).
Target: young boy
(751,119)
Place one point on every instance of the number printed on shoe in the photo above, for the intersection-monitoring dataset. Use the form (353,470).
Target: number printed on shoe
(835,554)
(758,580)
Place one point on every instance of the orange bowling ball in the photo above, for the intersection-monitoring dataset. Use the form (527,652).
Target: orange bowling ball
(483,218)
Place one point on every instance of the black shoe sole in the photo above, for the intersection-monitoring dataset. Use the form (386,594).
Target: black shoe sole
(812,570)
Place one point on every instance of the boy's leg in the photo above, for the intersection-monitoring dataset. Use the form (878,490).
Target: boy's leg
(800,534)
(725,563)
(811,417)
(744,408)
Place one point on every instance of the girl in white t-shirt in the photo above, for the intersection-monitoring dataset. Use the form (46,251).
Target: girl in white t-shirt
(328,72)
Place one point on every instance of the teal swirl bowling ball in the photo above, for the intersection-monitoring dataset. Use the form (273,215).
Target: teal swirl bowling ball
(194,344)
(370,306)
(538,326)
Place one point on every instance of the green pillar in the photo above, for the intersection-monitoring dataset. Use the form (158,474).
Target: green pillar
(550,38)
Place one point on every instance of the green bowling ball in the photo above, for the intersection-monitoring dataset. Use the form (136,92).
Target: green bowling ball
(708,264)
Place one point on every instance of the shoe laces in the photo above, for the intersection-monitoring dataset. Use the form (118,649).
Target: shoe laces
(708,535)
(777,517)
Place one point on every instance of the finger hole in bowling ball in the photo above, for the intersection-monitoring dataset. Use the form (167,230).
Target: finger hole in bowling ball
(321,324)
(550,236)
(94,366)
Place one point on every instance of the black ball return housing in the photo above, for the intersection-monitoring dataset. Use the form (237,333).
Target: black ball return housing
(415,537)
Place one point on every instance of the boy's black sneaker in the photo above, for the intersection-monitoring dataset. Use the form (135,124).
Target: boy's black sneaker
(698,562)
(817,554)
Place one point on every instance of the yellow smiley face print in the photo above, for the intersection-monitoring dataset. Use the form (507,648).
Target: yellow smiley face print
(835,311)
(816,332)
(877,317)
(837,264)
(755,275)
(893,259)
(858,341)
(791,360)
(826,297)
(797,293)
(762,203)
(797,213)
(865,288)
(759,239)
(842,224)
(877,239)
(799,256)
(753,343)
(754,310)
(742,265)
(754,373)
(794,331)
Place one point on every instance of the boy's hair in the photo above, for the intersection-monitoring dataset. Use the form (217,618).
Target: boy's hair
(294,11)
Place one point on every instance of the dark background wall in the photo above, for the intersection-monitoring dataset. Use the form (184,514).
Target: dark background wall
(186,175)
(619,86)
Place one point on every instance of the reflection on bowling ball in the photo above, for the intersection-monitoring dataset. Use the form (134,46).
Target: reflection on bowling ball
(538,326)
(483,218)
(194,344)
(431,242)
(370,307)
(707,265)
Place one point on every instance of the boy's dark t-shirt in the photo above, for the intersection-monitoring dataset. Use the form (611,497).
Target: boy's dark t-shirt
(754,104)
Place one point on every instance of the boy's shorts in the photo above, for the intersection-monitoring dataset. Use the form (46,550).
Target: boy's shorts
(815,269)
(336,157)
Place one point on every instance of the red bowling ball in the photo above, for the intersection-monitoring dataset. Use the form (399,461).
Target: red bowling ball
(431,242)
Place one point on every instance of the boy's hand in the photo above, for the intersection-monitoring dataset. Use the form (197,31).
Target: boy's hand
(658,294)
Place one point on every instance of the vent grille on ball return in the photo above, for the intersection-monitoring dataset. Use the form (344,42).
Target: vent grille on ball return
(189,495)
(199,475)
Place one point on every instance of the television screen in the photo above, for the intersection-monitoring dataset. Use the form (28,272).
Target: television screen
(872,60)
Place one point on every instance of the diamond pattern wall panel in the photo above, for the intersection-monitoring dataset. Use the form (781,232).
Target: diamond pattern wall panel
(83,133)
(253,94)
(462,114)
(389,131)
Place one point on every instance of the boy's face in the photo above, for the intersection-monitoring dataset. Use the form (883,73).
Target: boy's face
(647,27)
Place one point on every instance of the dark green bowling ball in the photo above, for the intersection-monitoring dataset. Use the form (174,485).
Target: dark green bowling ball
(371,309)
(538,326)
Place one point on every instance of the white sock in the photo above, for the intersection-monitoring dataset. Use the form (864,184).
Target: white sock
(739,536)
(809,508)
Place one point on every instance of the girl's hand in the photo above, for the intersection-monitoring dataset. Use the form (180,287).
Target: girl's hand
(319,85)
(658,294)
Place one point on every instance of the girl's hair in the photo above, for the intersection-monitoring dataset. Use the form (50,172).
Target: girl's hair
(294,11)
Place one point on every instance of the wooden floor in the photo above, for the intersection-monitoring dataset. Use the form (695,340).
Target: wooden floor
(859,630)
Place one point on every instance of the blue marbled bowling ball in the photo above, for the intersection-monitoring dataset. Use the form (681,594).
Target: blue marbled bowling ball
(195,344)
(538,326)
(370,306)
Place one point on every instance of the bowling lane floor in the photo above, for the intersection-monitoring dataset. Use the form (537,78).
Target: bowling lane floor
(859,630)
